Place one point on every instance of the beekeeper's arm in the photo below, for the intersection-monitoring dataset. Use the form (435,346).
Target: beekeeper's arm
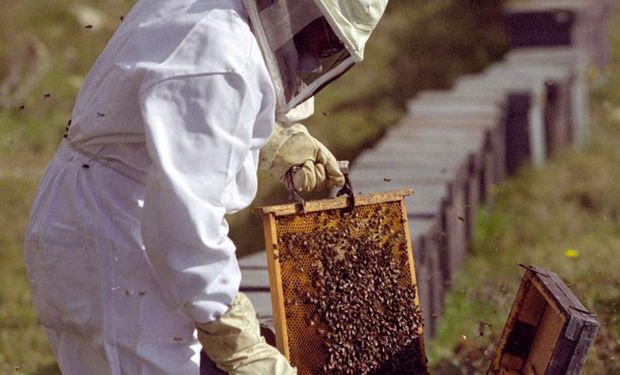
(201,136)
(195,135)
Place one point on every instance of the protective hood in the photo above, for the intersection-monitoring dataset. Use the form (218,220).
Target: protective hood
(307,44)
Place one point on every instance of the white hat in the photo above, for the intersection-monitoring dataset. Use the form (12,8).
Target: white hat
(353,21)
(309,43)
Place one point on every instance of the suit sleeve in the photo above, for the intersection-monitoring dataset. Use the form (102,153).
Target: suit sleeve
(199,134)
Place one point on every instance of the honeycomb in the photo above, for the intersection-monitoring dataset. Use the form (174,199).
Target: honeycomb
(345,282)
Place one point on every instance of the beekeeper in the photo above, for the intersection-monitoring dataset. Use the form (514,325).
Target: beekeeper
(127,248)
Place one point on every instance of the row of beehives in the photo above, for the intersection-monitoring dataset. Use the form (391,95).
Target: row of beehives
(455,146)
(582,24)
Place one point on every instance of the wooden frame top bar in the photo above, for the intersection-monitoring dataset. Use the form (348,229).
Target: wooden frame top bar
(336,203)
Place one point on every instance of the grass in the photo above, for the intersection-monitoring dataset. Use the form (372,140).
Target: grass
(46,50)
(22,344)
(573,203)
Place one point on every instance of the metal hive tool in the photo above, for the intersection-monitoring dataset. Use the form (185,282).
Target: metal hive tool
(342,285)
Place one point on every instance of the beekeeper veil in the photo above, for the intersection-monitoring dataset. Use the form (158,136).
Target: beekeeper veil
(307,44)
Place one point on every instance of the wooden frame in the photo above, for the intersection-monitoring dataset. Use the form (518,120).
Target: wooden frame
(548,331)
(270,217)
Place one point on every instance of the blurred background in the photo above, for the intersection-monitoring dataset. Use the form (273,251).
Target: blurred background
(573,203)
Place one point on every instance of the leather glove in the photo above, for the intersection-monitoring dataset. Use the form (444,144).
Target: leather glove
(234,344)
(293,147)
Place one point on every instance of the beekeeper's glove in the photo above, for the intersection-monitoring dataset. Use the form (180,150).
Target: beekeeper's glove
(293,147)
(234,344)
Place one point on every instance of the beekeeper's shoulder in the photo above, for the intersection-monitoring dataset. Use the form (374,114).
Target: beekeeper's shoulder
(219,40)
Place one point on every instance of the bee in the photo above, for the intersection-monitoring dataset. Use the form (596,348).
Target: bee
(481,326)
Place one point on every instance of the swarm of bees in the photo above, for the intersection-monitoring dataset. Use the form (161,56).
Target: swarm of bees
(359,298)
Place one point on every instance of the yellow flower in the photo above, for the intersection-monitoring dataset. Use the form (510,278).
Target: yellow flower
(571,253)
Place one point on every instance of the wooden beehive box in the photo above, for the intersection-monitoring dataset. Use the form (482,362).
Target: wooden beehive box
(548,331)
(343,285)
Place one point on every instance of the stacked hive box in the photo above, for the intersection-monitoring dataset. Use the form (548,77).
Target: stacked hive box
(541,93)
(580,24)
(454,146)
(572,61)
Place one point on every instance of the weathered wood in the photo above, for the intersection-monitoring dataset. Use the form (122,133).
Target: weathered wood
(548,330)
(426,254)
(427,201)
(337,203)
(261,300)
(498,79)
(581,24)
(492,125)
(412,269)
(575,62)
(422,281)
(531,24)
(254,279)
(275,281)
(557,113)
(254,261)
(422,166)
(453,105)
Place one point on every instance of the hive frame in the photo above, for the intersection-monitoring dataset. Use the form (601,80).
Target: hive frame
(270,216)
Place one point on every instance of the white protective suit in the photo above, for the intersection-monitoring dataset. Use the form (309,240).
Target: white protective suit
(163,143)
(127,249)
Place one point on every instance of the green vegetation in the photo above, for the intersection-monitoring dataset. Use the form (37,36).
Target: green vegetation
(572,203)
(46,49)
(564,217)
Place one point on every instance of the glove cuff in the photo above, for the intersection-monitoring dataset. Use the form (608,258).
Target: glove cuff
(278,138)
(234,344)
(234,331)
